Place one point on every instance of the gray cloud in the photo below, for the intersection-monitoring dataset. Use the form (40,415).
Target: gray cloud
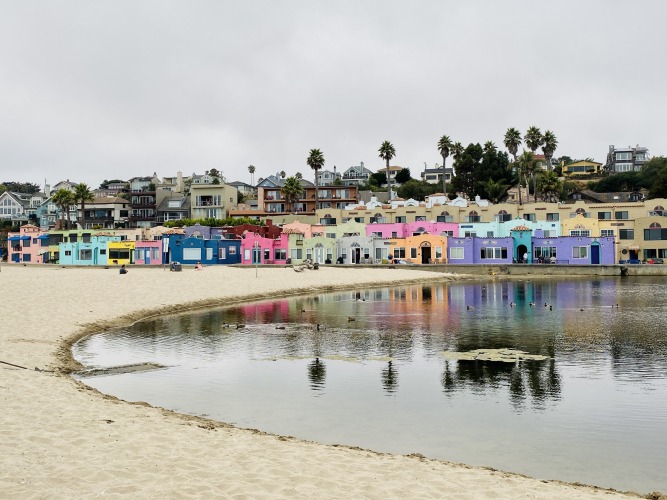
(95,90)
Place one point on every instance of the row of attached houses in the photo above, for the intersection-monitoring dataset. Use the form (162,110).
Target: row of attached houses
(579,239)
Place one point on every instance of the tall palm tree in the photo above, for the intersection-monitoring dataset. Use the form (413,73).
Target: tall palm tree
(528,168)
(282,174)
(444,146)
(298,175)
(251,169)
(292,191)
(82,194)
(63,198)
(549,146)
(316,162)
(533,138)
(387,152)
(512,141)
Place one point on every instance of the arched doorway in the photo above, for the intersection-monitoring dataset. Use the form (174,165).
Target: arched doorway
(522,254)
(595,252)
(426,252)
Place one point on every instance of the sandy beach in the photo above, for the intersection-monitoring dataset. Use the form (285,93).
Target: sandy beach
(59,439)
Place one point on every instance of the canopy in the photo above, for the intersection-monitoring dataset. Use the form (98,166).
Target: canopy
(14,238)
(43,237)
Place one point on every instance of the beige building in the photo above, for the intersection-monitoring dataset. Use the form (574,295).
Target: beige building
(212,200)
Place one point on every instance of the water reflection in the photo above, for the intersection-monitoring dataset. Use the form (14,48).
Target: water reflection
(602,387)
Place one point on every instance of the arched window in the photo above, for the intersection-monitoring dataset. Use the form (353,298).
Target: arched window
(503,216)
(580,211)
(473,216)
(655,225)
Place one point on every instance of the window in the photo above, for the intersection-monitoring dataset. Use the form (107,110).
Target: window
(85,254)
(103,251)
(470,234)
(493,253)
(376,234)
(26,243)
(606,232)
(280,254)
(155,253)
(267,254)
(579,252)
(530,217)
(394,234)
(456,253)
(367,253)
(420,218)
(296,253)
(400,219)
(489,234)
(121,253)
(604,215)
(623,167)
(503,216)
(580,232)
(622,215)
(655,233)
(309,253)
(399,253)
(138,254)
(329,254)
(413,253)
(232,250)
(624,156)
(544,252)
(447,233)
(626,234)
(68,253)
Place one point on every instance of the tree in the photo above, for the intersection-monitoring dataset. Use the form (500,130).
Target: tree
(467,164)
(489,146)
(533,138)
(298,175)
(292,191)
(457,150)
(387,152)
(417,190)
(63,199)
(512,141)
(549,185)
(251,169)
(282,174)
(316,162)
(403,176)
(528,168)
(444,146)
(377,179)
(82,194)
(651,176)
(21,187)
(549,147)
(495,191)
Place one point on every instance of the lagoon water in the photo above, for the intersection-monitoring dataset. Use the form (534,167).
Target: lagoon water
(373,374)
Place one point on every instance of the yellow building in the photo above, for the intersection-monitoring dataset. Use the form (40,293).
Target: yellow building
(121,252)
(583,167)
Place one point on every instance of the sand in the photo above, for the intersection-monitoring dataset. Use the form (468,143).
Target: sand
(59,439)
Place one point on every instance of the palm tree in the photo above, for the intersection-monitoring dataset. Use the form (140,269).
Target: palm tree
(495,191)
(282,174)
(550,186)
(533,138)
(298,175)
(528,167)
(292,191)
(549,147)
(457,150)
(251,169)
(489,146)
(64,198)
(82,194)
(387,152)
(316,162)
(444,146)
(512,141)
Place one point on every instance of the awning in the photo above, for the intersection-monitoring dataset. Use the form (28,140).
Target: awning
(25,237)
(634,248)
(14,238)
(43,237)
(42,252)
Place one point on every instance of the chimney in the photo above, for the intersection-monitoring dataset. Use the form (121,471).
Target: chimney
(179,182)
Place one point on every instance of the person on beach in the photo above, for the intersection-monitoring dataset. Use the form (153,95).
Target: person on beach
(122,269)
(198,267)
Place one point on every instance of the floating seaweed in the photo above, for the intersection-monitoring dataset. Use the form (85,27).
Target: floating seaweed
(499,355)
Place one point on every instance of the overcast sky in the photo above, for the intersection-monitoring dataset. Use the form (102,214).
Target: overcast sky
(93,90)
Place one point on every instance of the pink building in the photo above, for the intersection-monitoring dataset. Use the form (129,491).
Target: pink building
(406,229)
(148,252)
(256,249)
(30,244)
(307,230)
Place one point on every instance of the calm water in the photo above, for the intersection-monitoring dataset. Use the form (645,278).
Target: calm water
(374,376)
